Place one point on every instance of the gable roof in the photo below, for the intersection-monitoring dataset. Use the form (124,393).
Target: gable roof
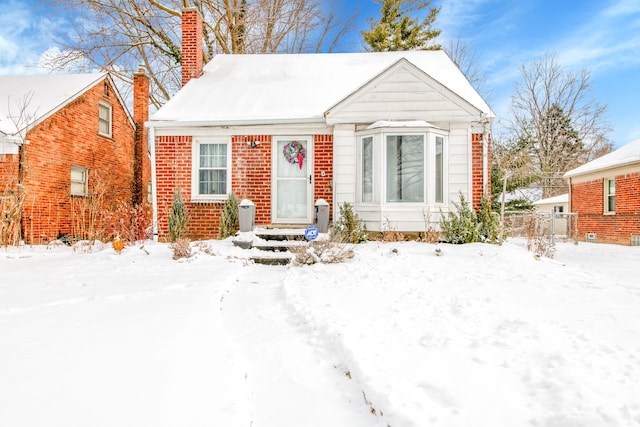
(627,154)
(297,87)
(44,95)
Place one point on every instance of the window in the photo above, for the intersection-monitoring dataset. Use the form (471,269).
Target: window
(609,195)
(439,169)
(367,169)
(211,172)
(405,168)
(104,119)
(558,209)
(78,181)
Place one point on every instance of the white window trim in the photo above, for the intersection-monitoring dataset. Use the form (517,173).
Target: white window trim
(607,211)
(425,176)
(380,167)
(360,169)
(195,165)
(110,109)
(431,175)
(85,181)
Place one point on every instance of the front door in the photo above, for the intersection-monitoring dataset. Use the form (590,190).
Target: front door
(292,180)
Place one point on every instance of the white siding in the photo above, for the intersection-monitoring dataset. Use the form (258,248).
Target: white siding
(344,166)
(403,93)
(459,163)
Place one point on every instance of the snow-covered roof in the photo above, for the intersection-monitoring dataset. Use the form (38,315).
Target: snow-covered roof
(562,198)
(627,154)
(297,87)
(43,95)
(403,124)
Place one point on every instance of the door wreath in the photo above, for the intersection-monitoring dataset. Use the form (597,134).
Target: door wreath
(294,152)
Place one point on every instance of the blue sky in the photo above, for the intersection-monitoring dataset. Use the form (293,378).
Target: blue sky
(600,36)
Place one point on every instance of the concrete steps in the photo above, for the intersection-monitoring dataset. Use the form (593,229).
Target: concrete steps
(274,244)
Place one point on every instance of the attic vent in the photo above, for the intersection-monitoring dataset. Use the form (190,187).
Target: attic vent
(591,237)
(635,240)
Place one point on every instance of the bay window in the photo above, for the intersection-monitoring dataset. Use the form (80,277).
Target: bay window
(405,168)
(367,169)
(396,167)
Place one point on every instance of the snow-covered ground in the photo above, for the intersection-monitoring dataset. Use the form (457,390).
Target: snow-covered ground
(481,336)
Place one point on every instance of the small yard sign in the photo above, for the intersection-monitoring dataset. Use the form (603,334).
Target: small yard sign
(311,233)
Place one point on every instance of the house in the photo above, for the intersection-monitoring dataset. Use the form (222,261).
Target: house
(70,152)
(556,210)
(556,204)
(398,135)
(605,193)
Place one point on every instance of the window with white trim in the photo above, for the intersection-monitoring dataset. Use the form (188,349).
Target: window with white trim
(104,119)
(405,159)
(79,181)
(609,195)
(439,169)
(397,167)
(211,171)
(367,169)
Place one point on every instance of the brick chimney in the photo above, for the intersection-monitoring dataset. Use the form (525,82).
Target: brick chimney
(191,44)
(142,166)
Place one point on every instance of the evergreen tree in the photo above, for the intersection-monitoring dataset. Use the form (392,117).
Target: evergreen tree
(396,30)
(230,219)
(178,218)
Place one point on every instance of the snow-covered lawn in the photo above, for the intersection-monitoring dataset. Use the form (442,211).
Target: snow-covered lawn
(481,336)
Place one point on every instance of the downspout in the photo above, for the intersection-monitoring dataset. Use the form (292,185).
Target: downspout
(485,158)
(154,181)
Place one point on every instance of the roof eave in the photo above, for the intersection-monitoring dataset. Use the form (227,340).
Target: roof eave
(230,122)
(572,173)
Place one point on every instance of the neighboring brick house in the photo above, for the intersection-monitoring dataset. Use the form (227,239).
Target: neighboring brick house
(398,135)
(605,193)
(62,137)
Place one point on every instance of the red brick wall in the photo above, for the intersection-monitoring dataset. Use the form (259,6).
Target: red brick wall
(70,137)
(251,174)
(250,179)
(323,152)
(191,44)
(477,185)
(587,199)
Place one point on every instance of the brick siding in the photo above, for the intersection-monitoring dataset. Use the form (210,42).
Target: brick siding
(250,179)
(70,137)
(477,186)
(587,199)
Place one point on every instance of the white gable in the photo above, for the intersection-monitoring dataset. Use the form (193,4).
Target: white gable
(403,92)
(43,95)
(298,87)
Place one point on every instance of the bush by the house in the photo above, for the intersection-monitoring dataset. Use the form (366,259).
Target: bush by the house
(465,226)
(178,218)
(330,251)
(349,227)
(229,220)
(181,248)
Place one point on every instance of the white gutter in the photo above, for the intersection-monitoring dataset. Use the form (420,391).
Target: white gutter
(232,122)
(154,187)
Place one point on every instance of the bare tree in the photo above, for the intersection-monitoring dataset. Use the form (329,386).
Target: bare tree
(557,122)
(13,195)
(120,35)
